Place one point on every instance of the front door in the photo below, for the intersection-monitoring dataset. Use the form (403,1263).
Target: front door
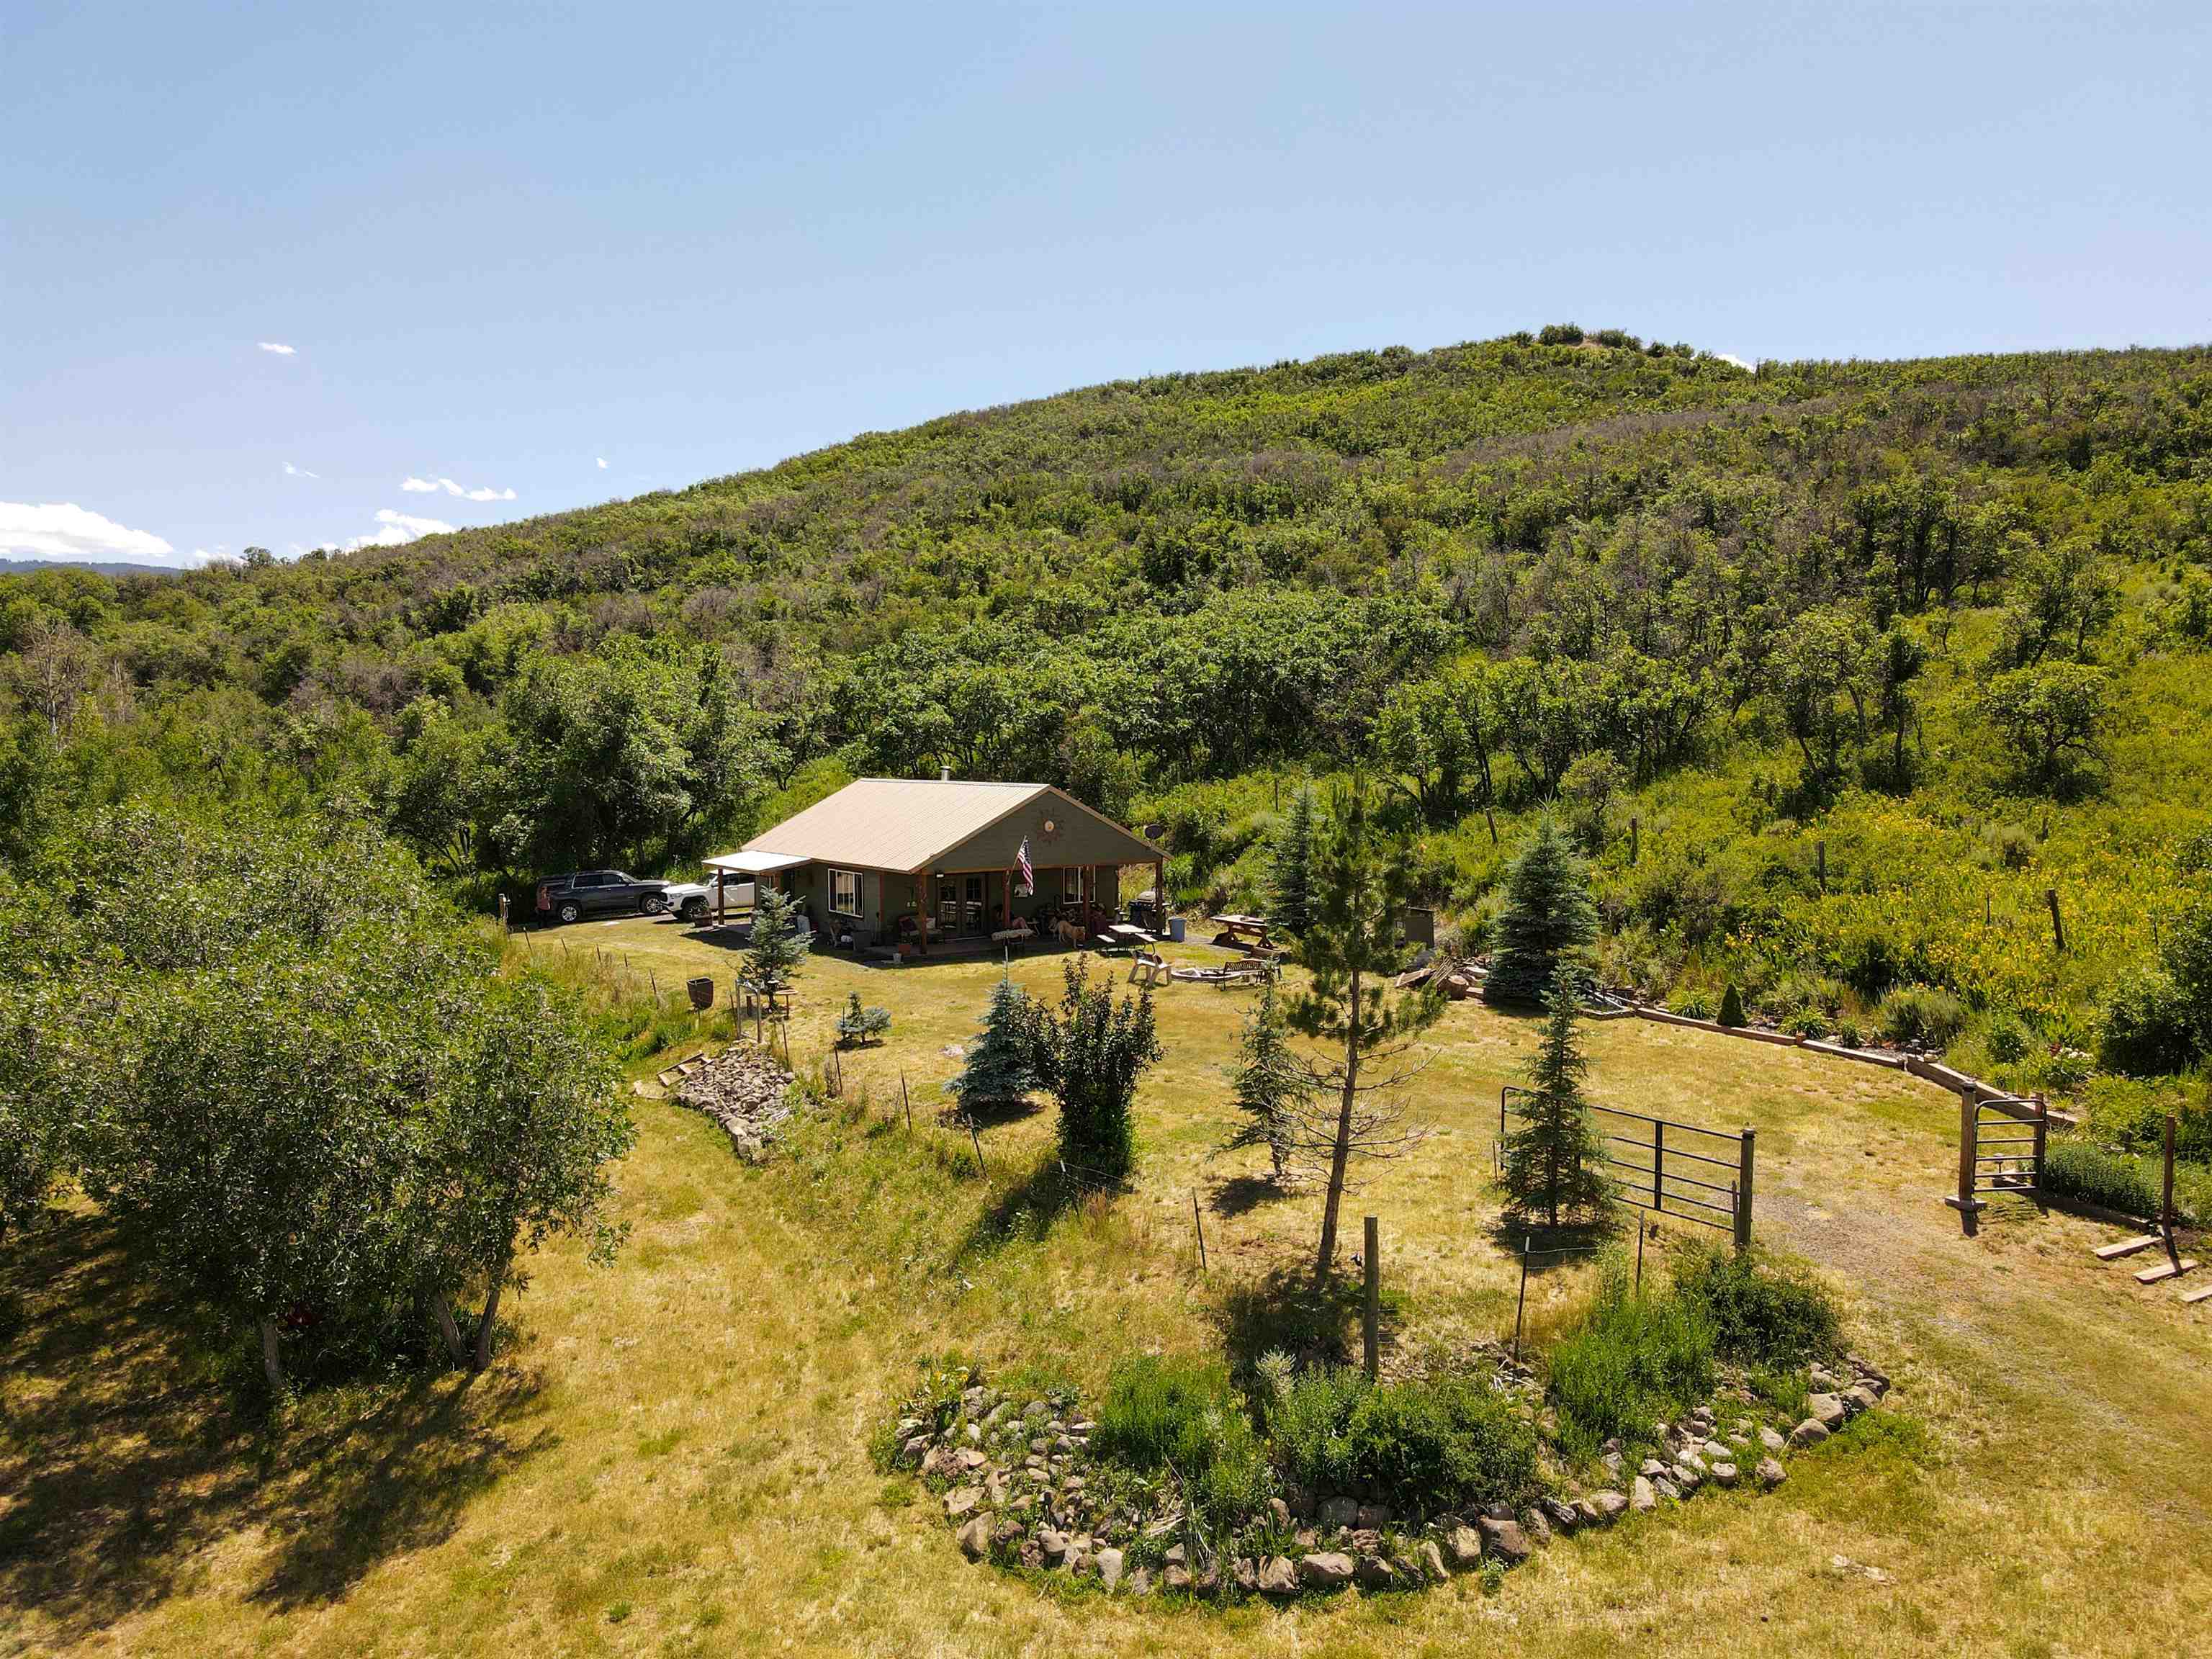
(948,906)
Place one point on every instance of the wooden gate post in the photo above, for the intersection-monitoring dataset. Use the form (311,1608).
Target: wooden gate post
(1968,1206)
(1658,1166)
(1743,1190)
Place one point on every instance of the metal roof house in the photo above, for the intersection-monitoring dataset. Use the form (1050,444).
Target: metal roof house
(918,862)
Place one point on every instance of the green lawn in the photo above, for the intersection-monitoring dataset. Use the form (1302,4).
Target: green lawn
(673,1457)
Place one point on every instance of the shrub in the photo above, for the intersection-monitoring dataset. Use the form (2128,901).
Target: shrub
(2149,1027)
(1089,1057)
(1632,1358)
(1180,1415)
(1760,1312)
(1559,334)
(2126,1182)
(2006,1040)
(1849,1034)
(1731,1006)
(1920,1013)
(1306,1418)
(1807,1023)
(1424,1445)
(1693,1005)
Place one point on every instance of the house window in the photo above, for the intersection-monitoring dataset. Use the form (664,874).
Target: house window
(844,892)
(1070,883)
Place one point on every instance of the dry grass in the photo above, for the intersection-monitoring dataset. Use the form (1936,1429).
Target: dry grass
(673,1458)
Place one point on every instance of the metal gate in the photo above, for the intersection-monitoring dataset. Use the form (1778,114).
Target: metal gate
(2002,1139)
(1666,1168)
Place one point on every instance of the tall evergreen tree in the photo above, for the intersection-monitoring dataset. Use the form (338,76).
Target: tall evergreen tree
(1001,1068)
(1272,1086)
(1549,917)
(1290,866)
(1552,1161)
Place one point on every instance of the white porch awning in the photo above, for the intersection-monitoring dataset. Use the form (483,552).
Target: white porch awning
(754,864)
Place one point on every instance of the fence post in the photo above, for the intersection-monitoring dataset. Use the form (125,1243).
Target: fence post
(1522,1306)
(2057,926)
(1635,828)
(2165,1199)
(907,1101)
(1640,1230)
(1198,1223)
(1371,1329)
(1743,1189)
(2042,1142)
(502,913)
(1658,1166)
(978,1142)
(1965,1203)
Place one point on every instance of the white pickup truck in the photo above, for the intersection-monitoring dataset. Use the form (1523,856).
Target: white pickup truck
(694,900)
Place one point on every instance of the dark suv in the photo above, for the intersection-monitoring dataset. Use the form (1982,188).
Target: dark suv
(583,893)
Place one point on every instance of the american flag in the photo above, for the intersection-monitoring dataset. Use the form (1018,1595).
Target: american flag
(1029,875)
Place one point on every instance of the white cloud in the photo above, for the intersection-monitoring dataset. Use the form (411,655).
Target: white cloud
(66,531)
(431,486)
(602,463)
(292,471)
(1730,357)
(277,346)
(397,529)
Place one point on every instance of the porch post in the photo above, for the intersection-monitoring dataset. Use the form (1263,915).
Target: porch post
(1160,895)
(1007,904)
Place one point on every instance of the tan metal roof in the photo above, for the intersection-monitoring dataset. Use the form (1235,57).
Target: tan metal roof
(894,823)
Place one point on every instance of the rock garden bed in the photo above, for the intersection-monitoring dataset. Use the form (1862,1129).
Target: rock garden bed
(743,1089)
(1025,1483)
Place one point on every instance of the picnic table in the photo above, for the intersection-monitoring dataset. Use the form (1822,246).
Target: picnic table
(1249,931)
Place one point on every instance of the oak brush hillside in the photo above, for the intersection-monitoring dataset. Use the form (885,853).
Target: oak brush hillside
(1831,669)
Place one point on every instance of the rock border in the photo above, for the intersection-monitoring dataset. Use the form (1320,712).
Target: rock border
(1020,1490)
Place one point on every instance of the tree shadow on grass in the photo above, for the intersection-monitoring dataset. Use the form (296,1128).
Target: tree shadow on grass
(1026,1209)
(987,1117)
(1284,1312)
(1242,1194)
(1571,1244)
(125,1454)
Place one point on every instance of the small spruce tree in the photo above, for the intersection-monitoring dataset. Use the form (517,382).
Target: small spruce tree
(1732,1006)
(777,949)
(1549,917)
(858,1026)
(1002,1067)
(1272,1086)
(1552,1161)
(1290,866)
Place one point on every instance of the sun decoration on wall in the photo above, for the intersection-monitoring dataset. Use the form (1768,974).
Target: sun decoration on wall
(1050,829)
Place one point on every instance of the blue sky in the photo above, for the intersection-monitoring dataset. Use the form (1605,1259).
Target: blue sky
(582,253)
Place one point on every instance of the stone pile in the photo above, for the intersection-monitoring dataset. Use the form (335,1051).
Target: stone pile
(1017,1483)
(744,1091)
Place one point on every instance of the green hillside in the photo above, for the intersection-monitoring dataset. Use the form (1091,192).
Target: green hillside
(1942,623)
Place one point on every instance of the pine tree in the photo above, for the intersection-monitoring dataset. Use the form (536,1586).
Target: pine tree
(1002,1067)
(1547,918)
(1271,1085)
(1352,947)
(1552,1161)
(1290,866)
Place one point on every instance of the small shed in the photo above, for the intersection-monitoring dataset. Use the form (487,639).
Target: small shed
(921,862)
